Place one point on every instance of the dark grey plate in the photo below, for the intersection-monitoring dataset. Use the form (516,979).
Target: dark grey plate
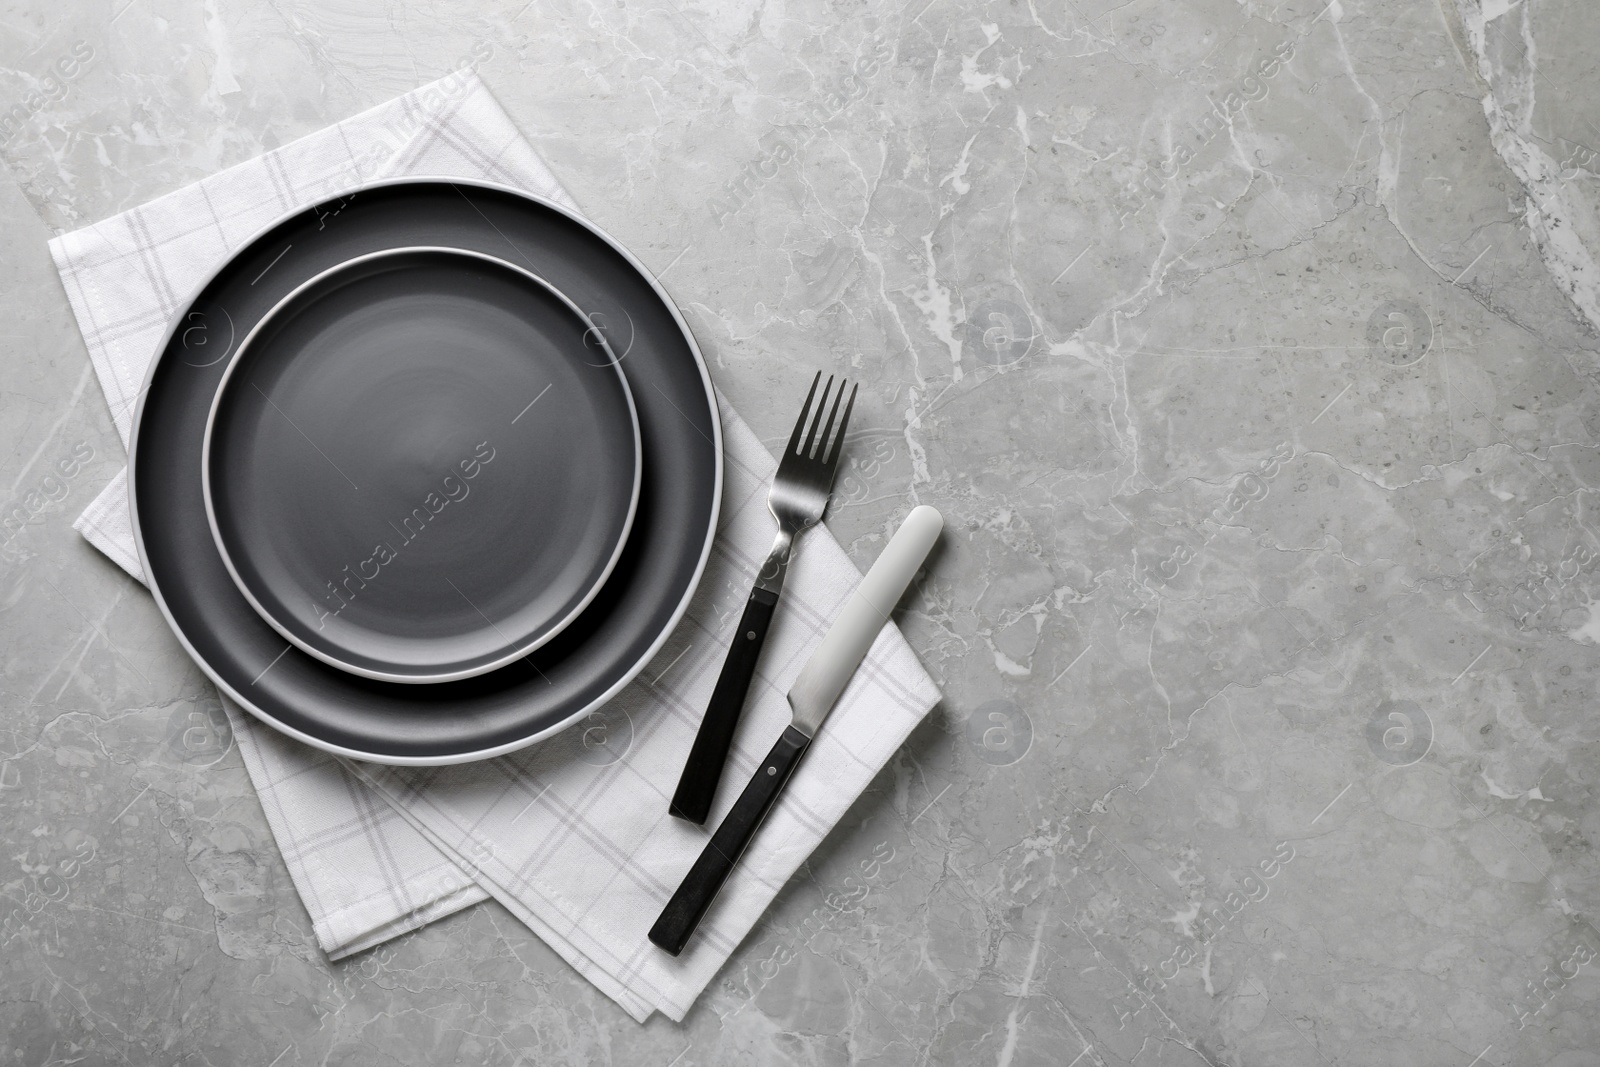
(534,696)
(422,464)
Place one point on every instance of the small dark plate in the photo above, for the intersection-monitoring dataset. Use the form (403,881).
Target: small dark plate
(531,697)
(422,464)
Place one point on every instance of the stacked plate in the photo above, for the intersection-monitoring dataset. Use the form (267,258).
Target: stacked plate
(426,474)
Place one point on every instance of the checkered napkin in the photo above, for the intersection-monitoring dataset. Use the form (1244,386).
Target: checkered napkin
(572,835)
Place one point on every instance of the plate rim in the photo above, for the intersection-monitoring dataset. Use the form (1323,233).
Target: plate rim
(518,651)
(629,674)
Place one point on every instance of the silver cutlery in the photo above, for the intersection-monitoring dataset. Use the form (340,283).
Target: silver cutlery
(798,498)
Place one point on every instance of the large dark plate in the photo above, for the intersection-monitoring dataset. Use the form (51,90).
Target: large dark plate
(533,697)
(422,464)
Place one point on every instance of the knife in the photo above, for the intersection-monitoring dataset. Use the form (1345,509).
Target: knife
(821,681)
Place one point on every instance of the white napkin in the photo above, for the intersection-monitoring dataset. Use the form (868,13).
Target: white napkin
(571,835)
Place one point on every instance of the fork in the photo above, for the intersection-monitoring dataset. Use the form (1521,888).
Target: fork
(798,498)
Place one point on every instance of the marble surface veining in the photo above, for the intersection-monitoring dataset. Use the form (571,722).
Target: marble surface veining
(1248,346)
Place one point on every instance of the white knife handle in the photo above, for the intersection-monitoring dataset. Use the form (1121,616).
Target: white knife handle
(828,671)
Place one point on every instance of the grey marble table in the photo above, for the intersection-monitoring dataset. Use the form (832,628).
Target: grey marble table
(1249,348)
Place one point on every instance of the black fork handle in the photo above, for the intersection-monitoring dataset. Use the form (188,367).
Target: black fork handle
(697,787)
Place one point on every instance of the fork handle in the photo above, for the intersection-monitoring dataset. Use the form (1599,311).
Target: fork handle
(697,788)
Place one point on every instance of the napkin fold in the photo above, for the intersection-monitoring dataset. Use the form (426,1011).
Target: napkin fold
(571,835)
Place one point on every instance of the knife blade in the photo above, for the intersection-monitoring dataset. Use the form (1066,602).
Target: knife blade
(812,697)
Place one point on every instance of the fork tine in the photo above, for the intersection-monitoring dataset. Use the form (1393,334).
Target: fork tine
(844,424)
(811,438)
(800,424)
(822,446)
